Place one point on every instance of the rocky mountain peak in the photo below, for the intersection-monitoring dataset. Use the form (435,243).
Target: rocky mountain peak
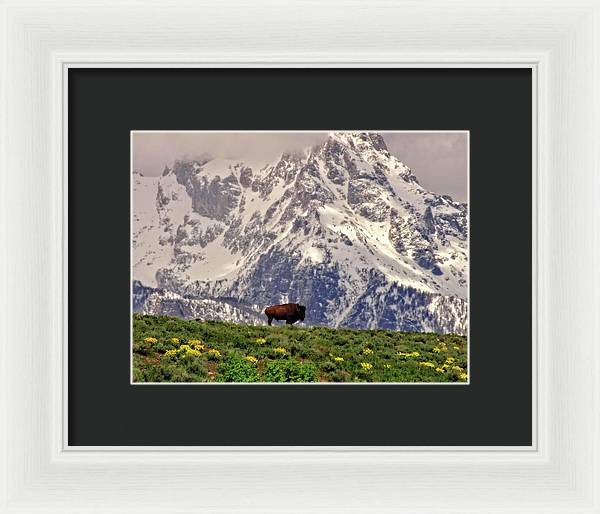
(361,142)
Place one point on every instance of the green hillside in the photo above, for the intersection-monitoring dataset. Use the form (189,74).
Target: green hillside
(175,350)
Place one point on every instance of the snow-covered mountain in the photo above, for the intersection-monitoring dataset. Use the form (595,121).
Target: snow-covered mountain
(343,228)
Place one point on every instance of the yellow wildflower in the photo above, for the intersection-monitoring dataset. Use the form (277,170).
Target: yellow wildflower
(251,358)
(457,368)
(408,354)
(440,370)
(367,366)
(338,359)
(170,353)
(261,340)
(427,364)
(450,360)
(387,366)
(456,347)
(214,352)
(150,340)
(186,350)
(280,350)
(367,351)
(463,376)
(174,340)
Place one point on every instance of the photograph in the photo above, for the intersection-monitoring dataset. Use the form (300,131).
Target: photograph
(321,257)
(300,257)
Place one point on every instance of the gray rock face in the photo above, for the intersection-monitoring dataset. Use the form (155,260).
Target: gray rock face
(278,275)
(166,303)
(367,200)
(215,199)
(343,228)
(389,306)
(246,177)
(212,197)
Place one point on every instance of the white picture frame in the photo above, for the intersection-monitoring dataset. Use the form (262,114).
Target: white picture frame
(558,40)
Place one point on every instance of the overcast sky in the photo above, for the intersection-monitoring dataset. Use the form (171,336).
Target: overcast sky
(439,160)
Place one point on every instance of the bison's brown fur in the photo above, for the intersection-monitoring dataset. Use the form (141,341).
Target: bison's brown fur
(290,312)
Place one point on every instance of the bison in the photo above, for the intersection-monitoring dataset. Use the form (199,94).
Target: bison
(290,312)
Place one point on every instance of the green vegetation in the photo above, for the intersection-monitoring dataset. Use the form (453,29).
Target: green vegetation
(175,350)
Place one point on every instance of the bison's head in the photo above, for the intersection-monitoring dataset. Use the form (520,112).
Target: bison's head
(302,312)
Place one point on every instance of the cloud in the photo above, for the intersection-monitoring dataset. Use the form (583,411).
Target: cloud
(151,151)
(439,160)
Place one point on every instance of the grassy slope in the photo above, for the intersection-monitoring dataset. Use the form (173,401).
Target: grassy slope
(241,353)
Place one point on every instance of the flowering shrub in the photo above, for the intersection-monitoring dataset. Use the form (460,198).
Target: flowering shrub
(196,344)
(189,351)
(213,354)
(183,351)
(288,370)
(237,369)
(440,347)
(408,354)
